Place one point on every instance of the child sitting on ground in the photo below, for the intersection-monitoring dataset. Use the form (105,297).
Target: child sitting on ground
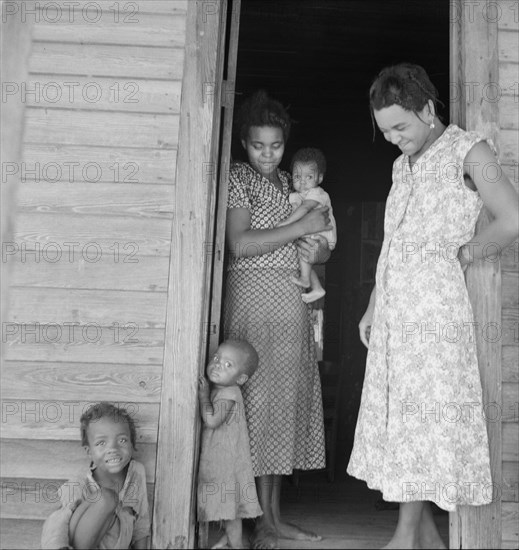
(113,512)
(308,169)
(226,488)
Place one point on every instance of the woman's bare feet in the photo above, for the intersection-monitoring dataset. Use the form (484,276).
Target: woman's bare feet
(293,532)
(264,536)
(429,535)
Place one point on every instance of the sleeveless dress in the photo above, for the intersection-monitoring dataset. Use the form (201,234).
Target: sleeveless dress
(226,487)
(421,432)
(282,399)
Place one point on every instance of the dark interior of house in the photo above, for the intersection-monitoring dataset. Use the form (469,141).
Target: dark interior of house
(319,57)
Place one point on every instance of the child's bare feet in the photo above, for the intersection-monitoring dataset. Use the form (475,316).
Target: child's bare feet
(313,295)
(300,281)
(293,532)
(429,535)
(222,543)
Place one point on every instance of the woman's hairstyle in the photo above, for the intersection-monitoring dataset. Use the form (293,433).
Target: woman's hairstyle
(105,410)
(310,154)
(406,85)
(260,110)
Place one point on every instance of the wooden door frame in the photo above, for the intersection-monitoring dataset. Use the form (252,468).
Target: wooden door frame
(187,305)
(474,64)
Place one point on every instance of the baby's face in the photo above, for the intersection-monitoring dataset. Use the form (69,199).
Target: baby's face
(305,176)
(226,366)
(109,444)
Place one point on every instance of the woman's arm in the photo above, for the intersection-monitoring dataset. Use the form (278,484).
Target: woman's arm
(501,200)
(367,318)
(244,242)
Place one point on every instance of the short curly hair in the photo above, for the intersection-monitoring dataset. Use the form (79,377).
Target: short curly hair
(105,410)
(310,154)
(260,110)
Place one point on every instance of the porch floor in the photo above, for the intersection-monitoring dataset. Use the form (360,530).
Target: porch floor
(344,513)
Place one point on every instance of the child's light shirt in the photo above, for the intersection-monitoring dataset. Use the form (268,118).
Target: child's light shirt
(319,195)
(132,510)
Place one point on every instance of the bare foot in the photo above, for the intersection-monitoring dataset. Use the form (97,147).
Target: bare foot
(264,537)
(293,532)
(222,543)
(402,542)
(313,295)
(305,283)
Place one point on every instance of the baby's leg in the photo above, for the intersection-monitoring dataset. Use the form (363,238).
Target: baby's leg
(91,520)
(304,274)
(317,291)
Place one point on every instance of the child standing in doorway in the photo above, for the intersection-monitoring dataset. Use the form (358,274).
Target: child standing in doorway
(410,442)
(226,488)
(308,170)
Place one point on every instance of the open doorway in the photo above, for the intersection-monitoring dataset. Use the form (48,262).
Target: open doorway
(319,58)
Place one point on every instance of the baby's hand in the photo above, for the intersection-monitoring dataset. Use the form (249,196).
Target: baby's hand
(203,387)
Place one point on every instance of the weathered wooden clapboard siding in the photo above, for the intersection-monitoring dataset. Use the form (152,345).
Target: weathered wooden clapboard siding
(87,323)
(508,40)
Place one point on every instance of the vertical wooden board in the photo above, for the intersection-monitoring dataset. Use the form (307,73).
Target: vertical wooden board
(509,78)
(474,58)
(511,442)
(510,482)
(508,15)
(189,281)
(510,363)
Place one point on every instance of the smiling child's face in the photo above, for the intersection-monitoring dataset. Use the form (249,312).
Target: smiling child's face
(226,367)
(109,445)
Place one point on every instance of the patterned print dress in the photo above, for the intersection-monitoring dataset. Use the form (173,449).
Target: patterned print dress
(282,399)
(421,432)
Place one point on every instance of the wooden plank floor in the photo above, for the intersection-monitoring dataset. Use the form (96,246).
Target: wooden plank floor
(344,513)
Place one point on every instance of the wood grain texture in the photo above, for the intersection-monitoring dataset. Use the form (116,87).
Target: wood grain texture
(510,491)
(97,93)
(509,78)
(94,236)
(105,199)
(101,382)
(474,58)
(511,363)
(184,354)
(508,45)
(68,163)
(84,128)
(113,61)
(511,523)
(511,442)
(98,307)
(148,273)
(56,419)
(115,345)
(508,15)
(508,113)
(109,25)
(511,402)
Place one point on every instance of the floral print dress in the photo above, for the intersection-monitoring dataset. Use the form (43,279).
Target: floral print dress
(421,432)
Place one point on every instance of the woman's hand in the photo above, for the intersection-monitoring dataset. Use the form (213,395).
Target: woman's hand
(316,220)
(365,326)
(313,249)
